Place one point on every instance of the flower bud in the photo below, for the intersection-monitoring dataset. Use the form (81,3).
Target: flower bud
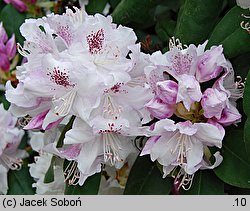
(159,109)
(208,65)
(167,91)
(213,102)
(230,115)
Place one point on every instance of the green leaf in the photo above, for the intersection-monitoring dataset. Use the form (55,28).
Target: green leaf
(20,182)
(12,20)
(114,3)
(246,96)
(247,136)
(65,129)
(205,182)
(96,6)
(237,43)
(235,167)
(3,100)
(172,4)
(241,65)
(229,33)
(196,19)
(50,176)
(246,107)
(227,25)
(134,11)
(165,29)
(90,187)
(146,179)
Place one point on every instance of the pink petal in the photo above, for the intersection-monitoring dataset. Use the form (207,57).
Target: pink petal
(209,64)
(213,102)
(37,122)
(11,47)
(4,62)
(167,91)
(3,34)
(159,109)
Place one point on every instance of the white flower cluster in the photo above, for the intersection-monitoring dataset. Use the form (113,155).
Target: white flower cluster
(89,74)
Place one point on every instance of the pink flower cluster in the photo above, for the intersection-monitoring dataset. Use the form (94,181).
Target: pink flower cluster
(198,89)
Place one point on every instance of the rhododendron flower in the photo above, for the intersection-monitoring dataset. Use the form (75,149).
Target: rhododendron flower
(62,51)
(181,144)
(190,67)
(184,145)
(10,155)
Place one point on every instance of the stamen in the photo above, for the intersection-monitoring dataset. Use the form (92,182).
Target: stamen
(110,109)
(77,16)
(182,180)
(72,173)
(175,43)
(111,148)
(244,25)
(238,88)
(239,84)
(245,16)
(12,163)
(22,51)
(64,103)
(23,121)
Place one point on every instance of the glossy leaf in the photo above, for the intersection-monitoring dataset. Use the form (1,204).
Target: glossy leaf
(12,20)
(95,6)
(50,176)
(246,97)
(146,179)
(135,11)
(246,107)
(227,25)
(196,19)
(241,65)
(90,187)
(229,33)
(205,182)
(235,167)
(114,3)
(165,29)
(20,182)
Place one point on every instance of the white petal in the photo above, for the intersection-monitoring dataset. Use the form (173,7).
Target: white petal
(194,154)
(209,134)
(163,126)
(87,157)
(164,149)
(218,160)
